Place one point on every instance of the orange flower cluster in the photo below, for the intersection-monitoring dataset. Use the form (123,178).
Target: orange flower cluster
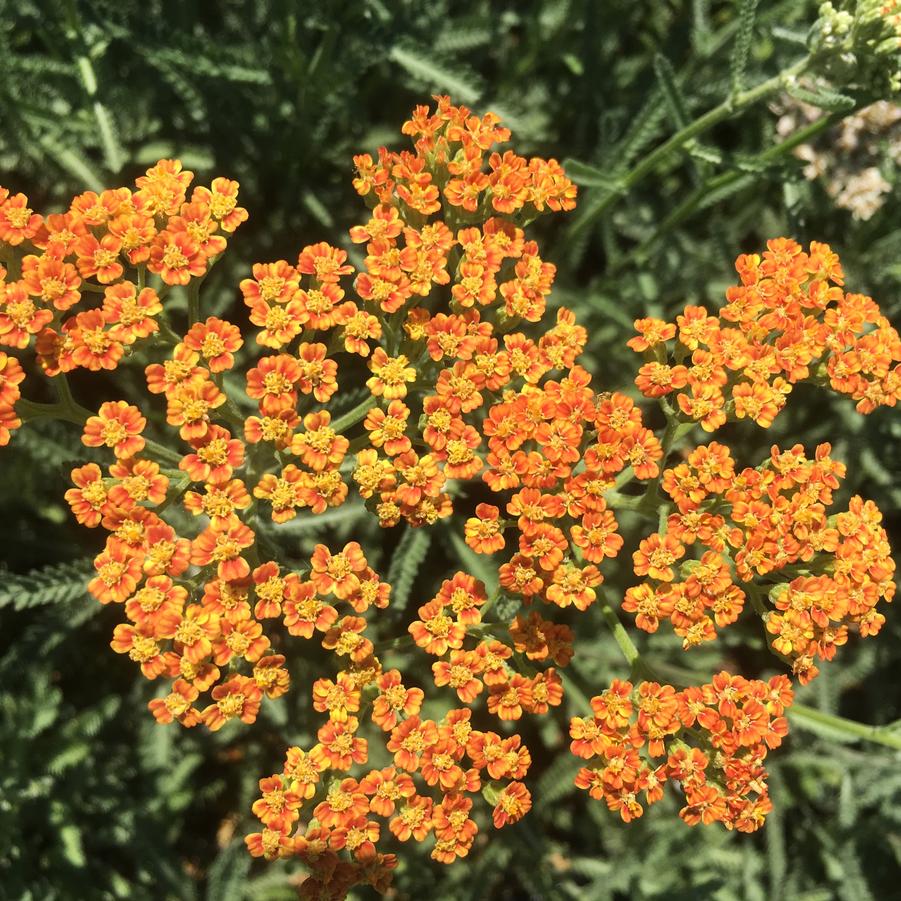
(789,320)
(472,391)
(764,522)
(157,229)
(435,765)
(711,740)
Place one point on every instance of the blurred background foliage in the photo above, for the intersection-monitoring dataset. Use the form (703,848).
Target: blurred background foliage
(96,801)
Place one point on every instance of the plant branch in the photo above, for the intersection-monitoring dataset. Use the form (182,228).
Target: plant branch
(730,107)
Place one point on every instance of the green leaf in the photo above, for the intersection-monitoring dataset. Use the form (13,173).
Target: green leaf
(406,563)
(741,49)
(557,780)
(701,35)
(463,86)
(589,176)
(823,98)
(73,850)
(57,584)
(672,94)
(228,874)
(641,132)
(705,154)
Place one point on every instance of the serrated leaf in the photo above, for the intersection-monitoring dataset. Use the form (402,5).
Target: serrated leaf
(590,177)
(747,15)
(672,94)
(707,154)
(716,195)
(557,780)
(642,130)
(461,85)
(58,584)
(406,562)
(228,874)
(822,98)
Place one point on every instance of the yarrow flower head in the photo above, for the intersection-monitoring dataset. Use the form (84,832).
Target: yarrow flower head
(430,386)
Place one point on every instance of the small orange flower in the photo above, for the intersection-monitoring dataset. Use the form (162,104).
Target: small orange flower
(222,543)
(339,746)
(89,499)
(336,698)
(278,807)
(513,803)
(435,631)
(176,705)
(389,375)
(118,425)
(304,612)
(337,573)
(318,446)
(176,257)
(461,673)
(239,698)
(216,341)
(656,555)
(393,700)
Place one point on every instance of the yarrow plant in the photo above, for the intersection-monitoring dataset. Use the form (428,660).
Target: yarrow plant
(475,410)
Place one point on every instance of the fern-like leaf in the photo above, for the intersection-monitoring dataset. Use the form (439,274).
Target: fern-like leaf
(406,562)
(59,584)
(742,48)
(462,85)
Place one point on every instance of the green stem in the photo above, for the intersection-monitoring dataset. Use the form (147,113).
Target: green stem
(177,489)
(725,110)
(575,692)
(620,635)
(63,391)
(28,410)
(168,333)
(194,300)
(879,735)
(352,417)
(724,180)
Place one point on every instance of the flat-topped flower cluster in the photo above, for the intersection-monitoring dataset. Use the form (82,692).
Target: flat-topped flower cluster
(466,380)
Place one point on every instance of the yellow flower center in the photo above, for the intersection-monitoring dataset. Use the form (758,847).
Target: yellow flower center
(212,345)
(94,494)
(238,642)
(271,286)
(231,705)
(276,383)
(17,216)
(150,599)
(104,258)
(114,432)
(96,340)
(222,204)
(396,697)
(188,632)
(176,704)
(173,258)
(215,453)
(143,648)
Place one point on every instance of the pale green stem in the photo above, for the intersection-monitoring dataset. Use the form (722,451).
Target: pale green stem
(880,735)
(352,417)
(725,110)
